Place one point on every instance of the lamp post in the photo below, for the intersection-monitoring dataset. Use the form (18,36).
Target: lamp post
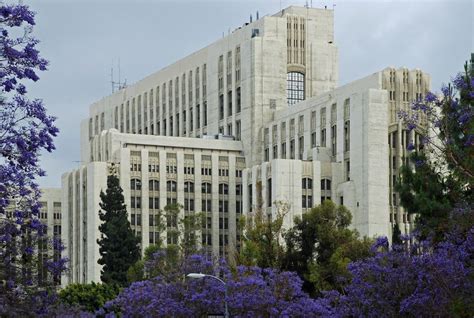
(201,275)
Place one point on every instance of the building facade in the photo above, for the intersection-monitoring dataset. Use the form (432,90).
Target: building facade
(249,123)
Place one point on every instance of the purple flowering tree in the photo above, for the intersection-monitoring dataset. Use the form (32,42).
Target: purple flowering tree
(441,174)
(420,281)
(25,131)
(251,292)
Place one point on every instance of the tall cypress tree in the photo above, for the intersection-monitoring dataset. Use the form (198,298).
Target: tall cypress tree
(118,246)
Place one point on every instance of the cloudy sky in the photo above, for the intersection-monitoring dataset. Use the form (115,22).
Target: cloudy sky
(84,39)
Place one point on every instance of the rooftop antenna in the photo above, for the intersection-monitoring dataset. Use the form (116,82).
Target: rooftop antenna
(119,84)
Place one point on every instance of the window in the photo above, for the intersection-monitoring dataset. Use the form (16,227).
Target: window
(307,184)
(237,130)
(307,193)
(206,188)
(300,148)
(325,184)
(229,103)
(171,186)
(269,192)
(136,202)
(153,203)
(238,100)
(348,170)
(347,137)
(223,188)
(334,139)
(250,197)
(135,184)
(295,89)
(292,149)
(188,187)
(221,106)
(283,150)
(153,185)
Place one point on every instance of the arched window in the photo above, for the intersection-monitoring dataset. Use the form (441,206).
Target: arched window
(295,89)
(171,186)
(307,183)
(154,185)
(189,187)
(325,190)
(223,188)
(135,184)
(325,184)
(206,188)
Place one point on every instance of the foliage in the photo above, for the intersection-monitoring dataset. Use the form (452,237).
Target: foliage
(252,292)
(136,272)
(28,271)
(184,229)
(89,297)
(320,245)
(441,175)
(118,246)
(424,280)
(262,236)
(396,235)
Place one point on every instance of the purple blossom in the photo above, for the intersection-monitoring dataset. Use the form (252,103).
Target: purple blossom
(431,281)
(26,130)
(252,292)
(430,97)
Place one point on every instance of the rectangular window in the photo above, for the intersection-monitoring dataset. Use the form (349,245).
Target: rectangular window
(229,103)
(198,116)
(237,130)
(221,106)
(347,136)
(292,149)
(238,101)
(300,148)
(348,170)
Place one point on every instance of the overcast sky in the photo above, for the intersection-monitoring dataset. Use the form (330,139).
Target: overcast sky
(83,39)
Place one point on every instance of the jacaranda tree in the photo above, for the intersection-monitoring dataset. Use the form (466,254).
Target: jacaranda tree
(441,175)
(25,130)
(251,292)
(421,281)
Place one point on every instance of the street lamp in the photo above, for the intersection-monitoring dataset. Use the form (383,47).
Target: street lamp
(201,276)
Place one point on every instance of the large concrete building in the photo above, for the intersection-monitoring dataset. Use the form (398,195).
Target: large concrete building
(250,121)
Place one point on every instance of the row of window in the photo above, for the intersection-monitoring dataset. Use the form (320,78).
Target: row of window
(171,186)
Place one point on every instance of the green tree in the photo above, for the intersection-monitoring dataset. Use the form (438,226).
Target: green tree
(396,233)
(262,238)
(90,297)
(136,272)
(118,246)
(320,245)
(183,234)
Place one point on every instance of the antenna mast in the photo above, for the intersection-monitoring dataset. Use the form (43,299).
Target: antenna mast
(119,84)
